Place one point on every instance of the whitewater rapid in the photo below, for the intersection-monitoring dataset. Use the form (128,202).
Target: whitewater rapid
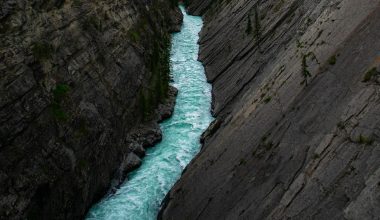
(139,198)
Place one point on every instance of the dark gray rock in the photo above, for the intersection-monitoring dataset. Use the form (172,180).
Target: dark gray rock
(77,80)
(138,149)
(165,110)
(198,7)
(176,18)
(297,102)
(131,162)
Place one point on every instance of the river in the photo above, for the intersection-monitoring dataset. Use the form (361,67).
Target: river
(139,197)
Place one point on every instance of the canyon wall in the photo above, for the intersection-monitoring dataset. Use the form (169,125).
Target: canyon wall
(296,95)
(82,85)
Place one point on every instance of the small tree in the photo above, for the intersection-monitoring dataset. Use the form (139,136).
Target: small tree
(257,26)
(305,72)
(249,26)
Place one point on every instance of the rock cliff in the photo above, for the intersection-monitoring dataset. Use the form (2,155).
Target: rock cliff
(296,95)
(82,85)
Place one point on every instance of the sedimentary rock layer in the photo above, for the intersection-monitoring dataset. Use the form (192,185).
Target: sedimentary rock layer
(82,84)
(296,100)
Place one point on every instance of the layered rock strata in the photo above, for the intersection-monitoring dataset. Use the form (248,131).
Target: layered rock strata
(83,84)
(296,100)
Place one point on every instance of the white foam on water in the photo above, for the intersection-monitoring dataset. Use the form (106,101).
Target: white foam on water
(140,196)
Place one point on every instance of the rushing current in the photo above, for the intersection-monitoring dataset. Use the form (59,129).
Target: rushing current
(140,197)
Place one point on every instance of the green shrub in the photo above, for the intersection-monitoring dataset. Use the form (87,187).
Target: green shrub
(248,30)
(369,74)
(305,72)
(59,93)
(341,125)
(332,60)
(267,100)
(42,50)
(145,104)
(82,164)
(58,112)
(365,140)
(257,26)
(242,161)
(268,145)
(134,35)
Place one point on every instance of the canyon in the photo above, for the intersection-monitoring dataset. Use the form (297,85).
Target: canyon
(140,196)
(295,99)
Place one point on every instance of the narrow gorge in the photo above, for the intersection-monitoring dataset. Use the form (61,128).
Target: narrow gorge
(141,195)
(214,109)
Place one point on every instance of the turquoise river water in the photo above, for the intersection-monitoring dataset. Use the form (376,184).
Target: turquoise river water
(140,197)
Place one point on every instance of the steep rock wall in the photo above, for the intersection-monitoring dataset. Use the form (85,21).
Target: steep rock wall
(83,84)
(296,96)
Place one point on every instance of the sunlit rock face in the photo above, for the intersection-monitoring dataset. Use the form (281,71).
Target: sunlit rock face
(82,84)
(296,100)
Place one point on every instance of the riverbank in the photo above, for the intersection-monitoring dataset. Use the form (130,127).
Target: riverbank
(141,138)
(141,195)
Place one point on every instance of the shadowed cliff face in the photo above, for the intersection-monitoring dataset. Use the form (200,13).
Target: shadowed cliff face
(81,82)
(296,96)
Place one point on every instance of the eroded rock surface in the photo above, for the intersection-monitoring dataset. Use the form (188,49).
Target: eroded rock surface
(296,96)
(80,85)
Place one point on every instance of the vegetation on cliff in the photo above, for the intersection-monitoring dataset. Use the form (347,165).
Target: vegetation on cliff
(73,77)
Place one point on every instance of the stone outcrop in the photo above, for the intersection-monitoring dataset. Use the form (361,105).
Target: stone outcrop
(82,86)
(296,87)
